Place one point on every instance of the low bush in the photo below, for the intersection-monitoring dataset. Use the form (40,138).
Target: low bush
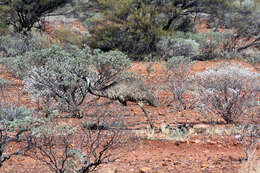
(15,124)
(16,44)
(61,78)
(174,46)
(62,148)
(20,65)
(228,91)
(204,46)
(179,82)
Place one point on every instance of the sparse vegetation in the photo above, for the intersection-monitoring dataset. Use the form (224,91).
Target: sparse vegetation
(180,83)
(199,93)
(249,138)
(64,148)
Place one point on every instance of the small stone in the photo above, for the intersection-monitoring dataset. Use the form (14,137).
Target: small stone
(145,170)
(164,164)
(204,165)
(110,170)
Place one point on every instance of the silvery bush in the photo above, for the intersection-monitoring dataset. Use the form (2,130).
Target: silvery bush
(59,78)
(229,91)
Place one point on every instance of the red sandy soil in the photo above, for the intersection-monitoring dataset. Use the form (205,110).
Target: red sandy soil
(197,154)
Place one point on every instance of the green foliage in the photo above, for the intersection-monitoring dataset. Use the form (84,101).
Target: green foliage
(15,117)
(22,15)
(68,37)
(107,37)
(109,64)
(253,59)
(58,76)
(3,28)
(20,65)
(198,46)
(176,61)
(174,46)
(135,26)
(132,30)
(118,8)
(211,48)
(241,17)
(3,20)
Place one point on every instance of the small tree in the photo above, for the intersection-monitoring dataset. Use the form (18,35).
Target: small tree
(227,91)
(249,138)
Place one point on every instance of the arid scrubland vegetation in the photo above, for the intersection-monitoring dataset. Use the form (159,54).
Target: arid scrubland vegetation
(146,86)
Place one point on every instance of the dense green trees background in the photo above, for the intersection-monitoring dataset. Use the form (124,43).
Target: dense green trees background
(135,26)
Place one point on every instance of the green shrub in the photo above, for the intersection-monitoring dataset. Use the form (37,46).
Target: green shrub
(109,64)
(61,77)
(17,44)
(212,45)
(68,37)
(253,59)
(20,65)
(108,37)
(132,30)
(173,46)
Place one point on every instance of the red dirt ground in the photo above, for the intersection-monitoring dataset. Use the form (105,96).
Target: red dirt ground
(197,154)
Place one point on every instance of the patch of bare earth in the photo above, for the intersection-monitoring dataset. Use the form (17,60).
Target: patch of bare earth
(154,151)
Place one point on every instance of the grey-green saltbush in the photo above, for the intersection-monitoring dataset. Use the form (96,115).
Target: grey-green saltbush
(21,65)
(61,77)
(17,44)
(173,46)
(15,122)
(207,45)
